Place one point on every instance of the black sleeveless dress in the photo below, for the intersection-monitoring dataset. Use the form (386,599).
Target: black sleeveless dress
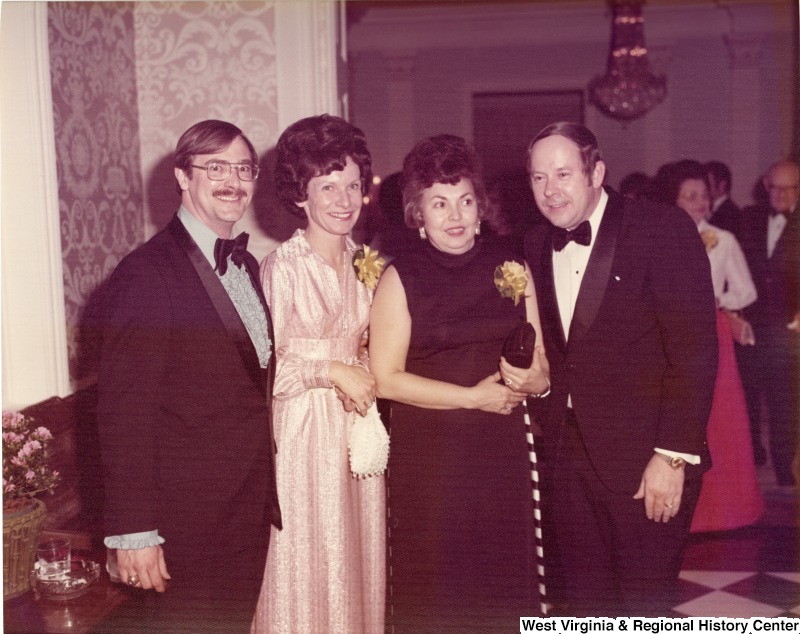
(462,551)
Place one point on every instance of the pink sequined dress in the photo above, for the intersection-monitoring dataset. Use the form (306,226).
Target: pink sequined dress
(326,569)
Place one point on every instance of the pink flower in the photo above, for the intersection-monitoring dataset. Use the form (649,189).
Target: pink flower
(29,447)
(30,475)
(42,433)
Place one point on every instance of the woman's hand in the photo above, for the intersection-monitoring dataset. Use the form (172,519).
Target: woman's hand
(347,403)
(491,396)
(355,383)
(532,380)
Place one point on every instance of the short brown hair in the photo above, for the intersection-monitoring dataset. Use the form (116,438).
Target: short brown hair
(580,135)
(440,159)
(208,137)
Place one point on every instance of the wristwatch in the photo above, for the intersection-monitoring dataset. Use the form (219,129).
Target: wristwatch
(673,461)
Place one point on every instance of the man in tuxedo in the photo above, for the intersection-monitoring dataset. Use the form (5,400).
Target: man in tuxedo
(185,381)
(725,213)
(629,325)
(770,239)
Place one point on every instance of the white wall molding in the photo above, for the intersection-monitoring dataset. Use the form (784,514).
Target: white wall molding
(535,24)
(34,338)
(744,50)
(306,42)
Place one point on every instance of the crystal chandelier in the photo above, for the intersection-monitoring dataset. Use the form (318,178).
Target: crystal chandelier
(628,89)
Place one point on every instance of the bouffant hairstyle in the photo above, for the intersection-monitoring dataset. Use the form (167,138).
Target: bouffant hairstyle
(580,135)
(670,177)
(440,159)
(317,146)
(208,137)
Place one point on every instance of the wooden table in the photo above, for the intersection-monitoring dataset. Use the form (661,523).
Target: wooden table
(31,614)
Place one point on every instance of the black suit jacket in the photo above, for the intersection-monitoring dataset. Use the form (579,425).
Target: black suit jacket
(777,278)
(184,408)
(640,361)
(727,216)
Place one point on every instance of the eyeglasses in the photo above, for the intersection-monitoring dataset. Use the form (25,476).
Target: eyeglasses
(782,188)
(221,170)
(694,197)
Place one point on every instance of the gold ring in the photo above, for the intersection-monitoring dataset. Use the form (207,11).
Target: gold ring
(669,506)
(133,580)
(507,381)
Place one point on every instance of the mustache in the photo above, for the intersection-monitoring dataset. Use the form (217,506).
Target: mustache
(230,191)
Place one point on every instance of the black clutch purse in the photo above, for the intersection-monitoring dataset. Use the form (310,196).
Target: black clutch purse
(519,345)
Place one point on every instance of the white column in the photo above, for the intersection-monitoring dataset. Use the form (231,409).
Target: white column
(34,339)
(306,41)
(659,126)
(745,129)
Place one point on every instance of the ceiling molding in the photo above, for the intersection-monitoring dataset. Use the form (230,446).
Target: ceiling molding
(513,24)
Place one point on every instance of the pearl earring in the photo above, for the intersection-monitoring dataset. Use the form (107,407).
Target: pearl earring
(478,228)
(422,233)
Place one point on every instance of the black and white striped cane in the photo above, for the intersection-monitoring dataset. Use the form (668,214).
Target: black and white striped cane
(537,510)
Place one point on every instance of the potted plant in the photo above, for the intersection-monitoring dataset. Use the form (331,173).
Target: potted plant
(26,474)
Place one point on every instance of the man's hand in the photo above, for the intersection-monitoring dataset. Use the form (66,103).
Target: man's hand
(661,488)
(147,564)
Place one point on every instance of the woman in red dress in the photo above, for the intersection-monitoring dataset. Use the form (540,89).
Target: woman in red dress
(730,496)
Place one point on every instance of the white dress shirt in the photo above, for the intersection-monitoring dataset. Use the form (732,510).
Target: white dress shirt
(569,265)
(733,285)
(775,227)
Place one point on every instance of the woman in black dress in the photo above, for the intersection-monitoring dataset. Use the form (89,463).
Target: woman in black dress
(460,510)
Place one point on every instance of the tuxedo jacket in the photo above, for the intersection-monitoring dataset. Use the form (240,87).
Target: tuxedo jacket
(777,278)
(184,407)
(727,216)
(640,360)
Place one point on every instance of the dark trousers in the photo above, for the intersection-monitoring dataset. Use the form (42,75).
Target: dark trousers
(769,372)
(613,560)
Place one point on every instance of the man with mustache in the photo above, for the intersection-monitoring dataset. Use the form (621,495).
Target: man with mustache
(629,324)
(185,382)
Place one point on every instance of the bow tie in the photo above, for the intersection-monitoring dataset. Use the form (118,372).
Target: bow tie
(582,234)
(235,248)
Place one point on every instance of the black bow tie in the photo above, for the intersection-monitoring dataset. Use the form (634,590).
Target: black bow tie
(235,248)
(582,234)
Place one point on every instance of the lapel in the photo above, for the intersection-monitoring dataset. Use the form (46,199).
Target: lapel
(788,237)
(221,301)
(549,301)
(598,270)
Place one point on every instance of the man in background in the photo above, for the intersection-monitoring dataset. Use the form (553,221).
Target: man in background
(770,238)
(725,213)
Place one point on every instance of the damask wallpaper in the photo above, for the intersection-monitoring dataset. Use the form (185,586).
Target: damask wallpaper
(195,61)
(97,152)
(127,79)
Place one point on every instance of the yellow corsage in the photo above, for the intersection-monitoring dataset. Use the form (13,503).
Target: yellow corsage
(511,280)
(368,266)
(709,237)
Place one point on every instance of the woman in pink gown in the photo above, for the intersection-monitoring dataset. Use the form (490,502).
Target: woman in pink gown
(326,568)
(730,497)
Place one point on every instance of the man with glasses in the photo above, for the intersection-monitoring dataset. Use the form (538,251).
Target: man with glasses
(185,383)
(770,239)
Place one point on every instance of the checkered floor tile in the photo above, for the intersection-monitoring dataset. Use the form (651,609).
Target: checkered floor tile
(739,594)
